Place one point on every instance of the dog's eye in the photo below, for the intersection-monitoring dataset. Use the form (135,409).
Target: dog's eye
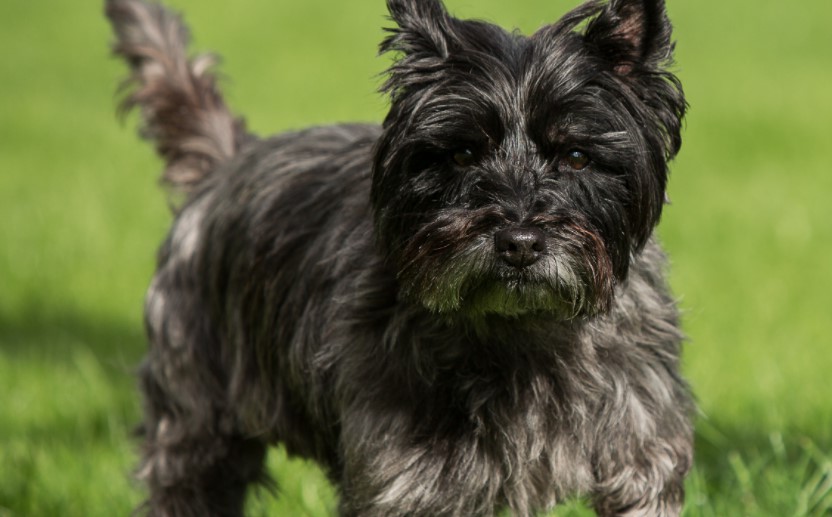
(576,160)
(464,157)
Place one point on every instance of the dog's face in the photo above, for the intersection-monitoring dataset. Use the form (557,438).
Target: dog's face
(519,175)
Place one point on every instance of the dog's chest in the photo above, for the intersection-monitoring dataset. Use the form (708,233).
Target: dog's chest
(531,432)
(510,432)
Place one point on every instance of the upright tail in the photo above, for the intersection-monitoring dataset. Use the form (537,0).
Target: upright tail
(182,109)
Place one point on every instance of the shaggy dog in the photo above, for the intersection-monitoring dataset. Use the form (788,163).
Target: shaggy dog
(458,312)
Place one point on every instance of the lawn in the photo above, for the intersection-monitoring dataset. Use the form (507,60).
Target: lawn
(749,233)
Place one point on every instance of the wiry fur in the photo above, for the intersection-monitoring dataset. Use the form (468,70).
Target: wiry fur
(338,289)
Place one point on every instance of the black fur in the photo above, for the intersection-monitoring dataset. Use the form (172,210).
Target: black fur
(459,311)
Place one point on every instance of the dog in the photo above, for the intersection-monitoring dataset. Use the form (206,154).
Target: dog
(461,311)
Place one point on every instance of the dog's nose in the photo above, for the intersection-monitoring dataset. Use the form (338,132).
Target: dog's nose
(520,247)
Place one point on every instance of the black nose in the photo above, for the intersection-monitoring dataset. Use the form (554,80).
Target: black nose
(520,247)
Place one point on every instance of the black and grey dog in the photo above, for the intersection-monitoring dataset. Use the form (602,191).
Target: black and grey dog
(459,312)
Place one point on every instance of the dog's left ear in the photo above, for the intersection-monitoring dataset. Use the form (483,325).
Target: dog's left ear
(632,35)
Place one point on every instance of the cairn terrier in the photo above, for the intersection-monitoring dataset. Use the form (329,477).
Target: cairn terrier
(459,312)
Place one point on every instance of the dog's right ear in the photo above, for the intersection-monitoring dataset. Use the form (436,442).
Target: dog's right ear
(423,37)
(423,28)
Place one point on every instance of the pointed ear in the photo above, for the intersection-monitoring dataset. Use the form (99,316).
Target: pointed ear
(423,40)
(423,27)
(632,34)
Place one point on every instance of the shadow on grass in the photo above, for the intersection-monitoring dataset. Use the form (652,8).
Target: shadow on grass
(57,334)
(68,374)
(69,408)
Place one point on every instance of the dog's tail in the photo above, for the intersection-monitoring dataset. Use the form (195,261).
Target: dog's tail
(182,109)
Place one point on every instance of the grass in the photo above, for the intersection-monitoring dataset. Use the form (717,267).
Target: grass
(749,231)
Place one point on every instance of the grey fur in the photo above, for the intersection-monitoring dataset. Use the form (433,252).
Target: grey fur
(274,317)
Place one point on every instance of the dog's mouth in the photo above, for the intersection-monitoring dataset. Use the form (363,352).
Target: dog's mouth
(557,267)
(479,288)
(513,296)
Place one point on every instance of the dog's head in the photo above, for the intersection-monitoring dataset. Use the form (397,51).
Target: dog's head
(518,174)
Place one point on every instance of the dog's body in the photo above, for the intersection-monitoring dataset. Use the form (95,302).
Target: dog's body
(460,311)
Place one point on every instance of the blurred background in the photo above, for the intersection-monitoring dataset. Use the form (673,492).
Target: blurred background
(749,234)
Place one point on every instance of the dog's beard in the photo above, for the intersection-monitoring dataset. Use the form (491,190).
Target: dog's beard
(450,266)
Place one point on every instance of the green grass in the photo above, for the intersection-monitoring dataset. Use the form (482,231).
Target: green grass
(749,232)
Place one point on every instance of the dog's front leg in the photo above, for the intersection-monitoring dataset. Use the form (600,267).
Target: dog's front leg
(650,487)
(389,470)
(640,467)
